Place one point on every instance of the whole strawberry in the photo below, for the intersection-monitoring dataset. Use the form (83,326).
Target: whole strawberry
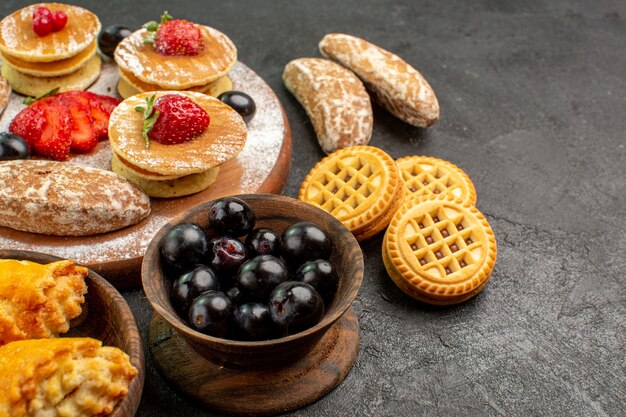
(178,37)
(179,120)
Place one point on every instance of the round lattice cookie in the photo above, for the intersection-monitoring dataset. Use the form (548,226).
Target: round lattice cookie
(424,175)
(439,250)
(359,185)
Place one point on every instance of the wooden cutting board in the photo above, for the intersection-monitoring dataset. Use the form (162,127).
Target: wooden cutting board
(262,167)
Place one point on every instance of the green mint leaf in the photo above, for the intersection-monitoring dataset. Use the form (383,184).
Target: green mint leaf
(30,100)
(151,26)
(166,17)
(149,119)
(148,124)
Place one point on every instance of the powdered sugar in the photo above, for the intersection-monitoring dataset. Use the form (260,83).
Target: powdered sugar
(258,158)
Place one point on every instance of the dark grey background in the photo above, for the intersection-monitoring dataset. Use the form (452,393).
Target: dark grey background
(533,108)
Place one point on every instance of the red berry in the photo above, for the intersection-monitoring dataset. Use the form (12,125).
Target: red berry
(42,11)
(100,108)
(42,25)
(180,120)
(46,126)
(178,37)
(82,133)
(59,19)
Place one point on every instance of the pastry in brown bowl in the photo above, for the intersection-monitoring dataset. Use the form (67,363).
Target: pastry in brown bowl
(62,377)
(38,301)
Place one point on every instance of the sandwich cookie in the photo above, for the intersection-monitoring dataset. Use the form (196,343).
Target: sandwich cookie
(424,175)
(439,250)
(359,185)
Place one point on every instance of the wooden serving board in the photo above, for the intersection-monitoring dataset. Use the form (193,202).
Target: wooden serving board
(263,392)
(262,167)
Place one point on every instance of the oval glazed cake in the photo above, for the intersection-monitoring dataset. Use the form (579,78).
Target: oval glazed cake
(62,199)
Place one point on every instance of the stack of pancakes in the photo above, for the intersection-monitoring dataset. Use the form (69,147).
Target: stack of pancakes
(143,69)
(174,170)
(33,65)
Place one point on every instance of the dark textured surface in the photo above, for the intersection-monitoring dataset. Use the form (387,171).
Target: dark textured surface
(533,109)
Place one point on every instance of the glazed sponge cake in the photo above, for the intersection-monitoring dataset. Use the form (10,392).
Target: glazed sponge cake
(38,301)
(65,377)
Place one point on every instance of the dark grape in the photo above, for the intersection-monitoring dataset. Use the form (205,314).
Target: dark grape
(231,216)
(241,102)
(295,306)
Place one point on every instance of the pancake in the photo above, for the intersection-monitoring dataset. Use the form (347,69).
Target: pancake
(178,187)
(177,72)
(19,40)
(222,140)
(37,86)
(52,69)
(139,172)
(126,90)
(218,86)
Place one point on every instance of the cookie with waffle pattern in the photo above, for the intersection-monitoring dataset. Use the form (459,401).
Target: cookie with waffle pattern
(439,250)
(425,175)
(359,185)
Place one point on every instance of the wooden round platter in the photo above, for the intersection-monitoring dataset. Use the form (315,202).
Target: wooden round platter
(262,167)
(106,317)
(258,392)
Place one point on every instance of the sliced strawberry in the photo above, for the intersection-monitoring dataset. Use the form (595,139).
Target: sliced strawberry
(82,136)
(101,108)
(46,126)
(29,124)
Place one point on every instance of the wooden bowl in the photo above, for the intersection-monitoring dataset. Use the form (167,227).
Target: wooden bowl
(105,317)
(277,213)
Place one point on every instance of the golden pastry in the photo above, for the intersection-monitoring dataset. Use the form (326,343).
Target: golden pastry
(65,377)
(38,301)
(439,250)
(141,60)
(424,175)
(395,84)
(359,185)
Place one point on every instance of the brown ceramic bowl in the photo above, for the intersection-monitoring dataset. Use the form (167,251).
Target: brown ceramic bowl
(105,317)
(277,213)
